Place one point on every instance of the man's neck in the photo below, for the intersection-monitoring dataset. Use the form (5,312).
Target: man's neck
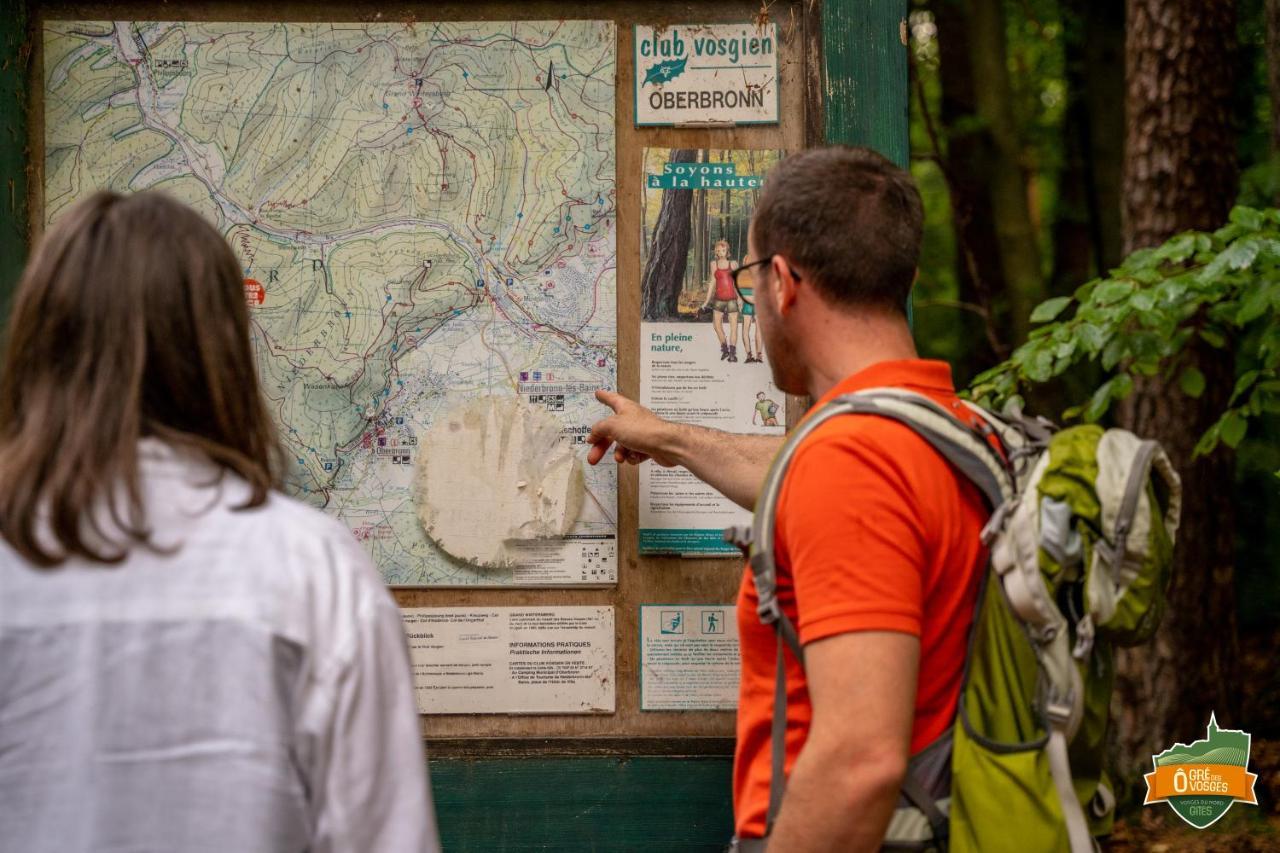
(844,344)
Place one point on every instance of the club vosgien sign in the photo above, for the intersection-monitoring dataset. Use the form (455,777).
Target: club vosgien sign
(706,74)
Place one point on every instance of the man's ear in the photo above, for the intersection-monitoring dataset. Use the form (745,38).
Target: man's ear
(786,291)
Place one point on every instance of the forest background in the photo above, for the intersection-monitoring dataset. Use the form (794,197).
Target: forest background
(1051,141)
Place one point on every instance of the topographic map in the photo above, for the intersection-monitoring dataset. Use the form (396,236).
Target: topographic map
(424,212)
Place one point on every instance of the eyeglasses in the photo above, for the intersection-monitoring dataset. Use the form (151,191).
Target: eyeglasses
(744,278)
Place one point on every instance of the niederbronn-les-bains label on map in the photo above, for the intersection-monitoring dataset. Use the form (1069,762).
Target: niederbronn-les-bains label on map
(423,212)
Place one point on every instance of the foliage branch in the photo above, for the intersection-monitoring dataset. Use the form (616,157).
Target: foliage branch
(1220,288)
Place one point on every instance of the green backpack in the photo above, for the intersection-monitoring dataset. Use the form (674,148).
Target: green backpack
(1081,540)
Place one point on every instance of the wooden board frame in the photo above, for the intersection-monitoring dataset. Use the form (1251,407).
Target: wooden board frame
(640,579)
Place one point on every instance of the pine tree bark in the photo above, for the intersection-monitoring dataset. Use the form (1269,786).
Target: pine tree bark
(1180,173)
(669,252)
(1015,234)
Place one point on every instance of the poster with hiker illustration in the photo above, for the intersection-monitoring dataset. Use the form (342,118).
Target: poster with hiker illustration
(701,354)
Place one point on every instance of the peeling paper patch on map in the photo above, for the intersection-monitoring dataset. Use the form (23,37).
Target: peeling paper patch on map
(495,471)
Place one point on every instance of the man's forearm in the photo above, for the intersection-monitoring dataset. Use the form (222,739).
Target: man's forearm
(731,463)
(835,806)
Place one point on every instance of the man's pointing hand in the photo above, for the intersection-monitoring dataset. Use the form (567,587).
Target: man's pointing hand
(638,433)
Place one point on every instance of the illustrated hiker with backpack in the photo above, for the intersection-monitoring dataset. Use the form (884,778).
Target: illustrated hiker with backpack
(766,411)
(933,592)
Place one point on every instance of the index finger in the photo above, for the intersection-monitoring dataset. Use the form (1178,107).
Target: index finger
(599,448)
(612,399)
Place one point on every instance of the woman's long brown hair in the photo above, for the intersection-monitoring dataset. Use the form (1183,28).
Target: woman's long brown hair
(129,321)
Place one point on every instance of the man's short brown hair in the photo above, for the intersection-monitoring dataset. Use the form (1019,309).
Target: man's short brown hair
(849,218)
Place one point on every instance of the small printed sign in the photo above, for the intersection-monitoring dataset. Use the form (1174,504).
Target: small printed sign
(512,660)
(689,657)
(706,74)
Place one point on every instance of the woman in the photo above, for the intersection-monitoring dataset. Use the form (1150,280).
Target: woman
(725,303)
(189,660)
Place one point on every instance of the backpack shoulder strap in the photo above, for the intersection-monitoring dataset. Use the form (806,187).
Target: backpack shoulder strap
(966,449)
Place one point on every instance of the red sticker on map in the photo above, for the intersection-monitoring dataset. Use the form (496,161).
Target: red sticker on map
(254,292)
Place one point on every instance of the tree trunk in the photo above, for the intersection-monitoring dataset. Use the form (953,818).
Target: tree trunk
(1180,147)
(967,166)
(1073,226)
(1102,79)
(1087,222)
(669,252)
(1179,173)
(694,276)
(1015,234)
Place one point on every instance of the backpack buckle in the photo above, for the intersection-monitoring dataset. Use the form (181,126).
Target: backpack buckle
(1059,709)
(769,610)
(765,576)
(995,524)
(740,537)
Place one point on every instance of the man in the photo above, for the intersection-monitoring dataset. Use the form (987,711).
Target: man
(766,411)
(878,540)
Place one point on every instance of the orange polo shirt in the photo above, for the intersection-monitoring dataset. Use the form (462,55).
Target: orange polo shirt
(875,532)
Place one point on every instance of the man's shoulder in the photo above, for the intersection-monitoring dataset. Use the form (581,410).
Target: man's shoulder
(860,450)
(864,436)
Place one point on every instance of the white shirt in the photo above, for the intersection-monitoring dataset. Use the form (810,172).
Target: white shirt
(249,691)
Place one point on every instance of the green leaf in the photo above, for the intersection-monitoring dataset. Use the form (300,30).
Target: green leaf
(1192,382)
(1256,302)
(1110,292)
(1242,384)
(1040,366)
(1234,427)
(1225,312)
(1213,338)
(1091,337)
(1241,255)
(1172,290)
(1140,260)
(1146,366)
(1246,216)
(1100,401)
(1143,300)
(1123,387)
(1238,256)
(1115,350)
(1208,441)
(1049,309)
(1178,249)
